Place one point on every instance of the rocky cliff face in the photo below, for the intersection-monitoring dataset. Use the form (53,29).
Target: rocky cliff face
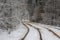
(52,12)
(13,11)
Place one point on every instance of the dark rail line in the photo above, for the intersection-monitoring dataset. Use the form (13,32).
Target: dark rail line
(27,31)
(53,33)
(37,30)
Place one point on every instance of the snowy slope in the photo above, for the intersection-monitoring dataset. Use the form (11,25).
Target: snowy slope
(32,31)
(15,35)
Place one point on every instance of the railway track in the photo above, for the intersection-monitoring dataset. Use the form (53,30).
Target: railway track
(44,33)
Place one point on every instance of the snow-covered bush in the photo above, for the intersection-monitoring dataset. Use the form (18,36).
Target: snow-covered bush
(11,13)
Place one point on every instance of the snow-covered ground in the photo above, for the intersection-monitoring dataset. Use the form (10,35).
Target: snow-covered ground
(14,35)
(32,31)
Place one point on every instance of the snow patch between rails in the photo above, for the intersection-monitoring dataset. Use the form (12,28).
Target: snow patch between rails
(33,33)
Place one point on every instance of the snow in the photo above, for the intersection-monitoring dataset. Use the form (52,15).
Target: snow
(15,35)
(48,35)
(33,33)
